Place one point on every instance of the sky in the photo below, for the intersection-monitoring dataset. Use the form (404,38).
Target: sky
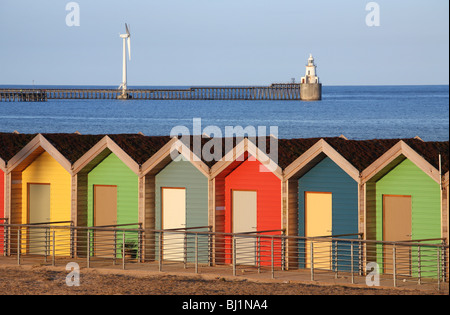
(224,42)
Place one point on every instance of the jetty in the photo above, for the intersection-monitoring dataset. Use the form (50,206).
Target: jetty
(278,91)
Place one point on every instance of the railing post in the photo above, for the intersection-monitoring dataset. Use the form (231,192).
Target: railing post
(196,253)
(72,242)
(336,255)
(140,234)
(272,258)
(184,249)
(160,251)
(351,262)
(283,253)
(88,245)
(53,249)
(394,261)
(439,267)
(258,256)
(19,241)
(419,265)
(312,260)
(115,248)
(123,250)
(46,243)
(234,254)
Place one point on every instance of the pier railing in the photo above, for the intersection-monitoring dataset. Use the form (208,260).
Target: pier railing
(273,92)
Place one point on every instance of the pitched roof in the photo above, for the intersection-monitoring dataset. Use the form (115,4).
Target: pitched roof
(430,151)
(139,147)
(72,146)
(12,143)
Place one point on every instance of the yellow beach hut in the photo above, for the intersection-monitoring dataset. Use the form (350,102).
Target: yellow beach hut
(41,188)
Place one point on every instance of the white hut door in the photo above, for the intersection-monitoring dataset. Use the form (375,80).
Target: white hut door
(39,212)
(173,217)
(244,220)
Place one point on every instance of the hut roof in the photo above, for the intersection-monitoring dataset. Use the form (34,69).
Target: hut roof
(72,146)
(12,143)
(139,147)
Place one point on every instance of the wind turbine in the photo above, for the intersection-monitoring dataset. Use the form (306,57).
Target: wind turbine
(126,39)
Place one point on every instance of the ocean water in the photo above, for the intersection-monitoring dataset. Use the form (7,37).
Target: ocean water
(358,112)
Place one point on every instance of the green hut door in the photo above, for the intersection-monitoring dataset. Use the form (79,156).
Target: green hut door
(397,227)
(173,217)
(38,212)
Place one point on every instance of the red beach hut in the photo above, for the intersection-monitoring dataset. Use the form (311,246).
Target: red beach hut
(247,200)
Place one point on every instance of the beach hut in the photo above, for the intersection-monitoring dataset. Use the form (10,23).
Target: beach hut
(177,188)
(445,205)
(247,199)
(41,188)
(327,188)
(2,203)
(10,144)
(323,189)
(109,186)
(404,199)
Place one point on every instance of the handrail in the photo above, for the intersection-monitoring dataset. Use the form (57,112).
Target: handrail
(339,235)
(116,225)
(190,228)
(248,234)
(50,223)
(258,232)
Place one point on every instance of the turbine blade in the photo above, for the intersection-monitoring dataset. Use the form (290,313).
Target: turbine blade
(128,30)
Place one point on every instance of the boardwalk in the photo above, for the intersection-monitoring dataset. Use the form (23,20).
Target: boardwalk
(284,92)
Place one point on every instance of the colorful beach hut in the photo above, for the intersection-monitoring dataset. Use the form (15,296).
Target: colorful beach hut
(404,198)
(327,187)
(177,188)
(445,205)
(2,203)
(42,185)
(323,192)
(109,184)
(10,144)
(247,199)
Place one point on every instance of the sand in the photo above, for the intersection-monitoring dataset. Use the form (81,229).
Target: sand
(42,280)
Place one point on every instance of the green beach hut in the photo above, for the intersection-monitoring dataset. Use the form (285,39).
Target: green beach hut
(403,198)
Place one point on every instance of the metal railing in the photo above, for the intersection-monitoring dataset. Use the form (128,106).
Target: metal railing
(337,256)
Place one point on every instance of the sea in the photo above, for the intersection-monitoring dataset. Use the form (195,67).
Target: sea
(357,112)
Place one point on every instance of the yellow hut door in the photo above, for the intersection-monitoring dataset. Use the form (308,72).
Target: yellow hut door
(173,217)
(318,222)
(38,212)
(245,220)
(105,214)
(397,219)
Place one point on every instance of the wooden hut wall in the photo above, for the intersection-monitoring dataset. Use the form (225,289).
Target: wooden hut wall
(405,179)
(113,172)
(182,174)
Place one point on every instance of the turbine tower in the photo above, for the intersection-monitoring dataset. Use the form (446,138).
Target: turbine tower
(126,39)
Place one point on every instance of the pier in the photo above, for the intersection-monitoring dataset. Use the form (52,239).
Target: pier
(285,92)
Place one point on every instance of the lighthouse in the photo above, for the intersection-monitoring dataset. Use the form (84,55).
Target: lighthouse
(310,87)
